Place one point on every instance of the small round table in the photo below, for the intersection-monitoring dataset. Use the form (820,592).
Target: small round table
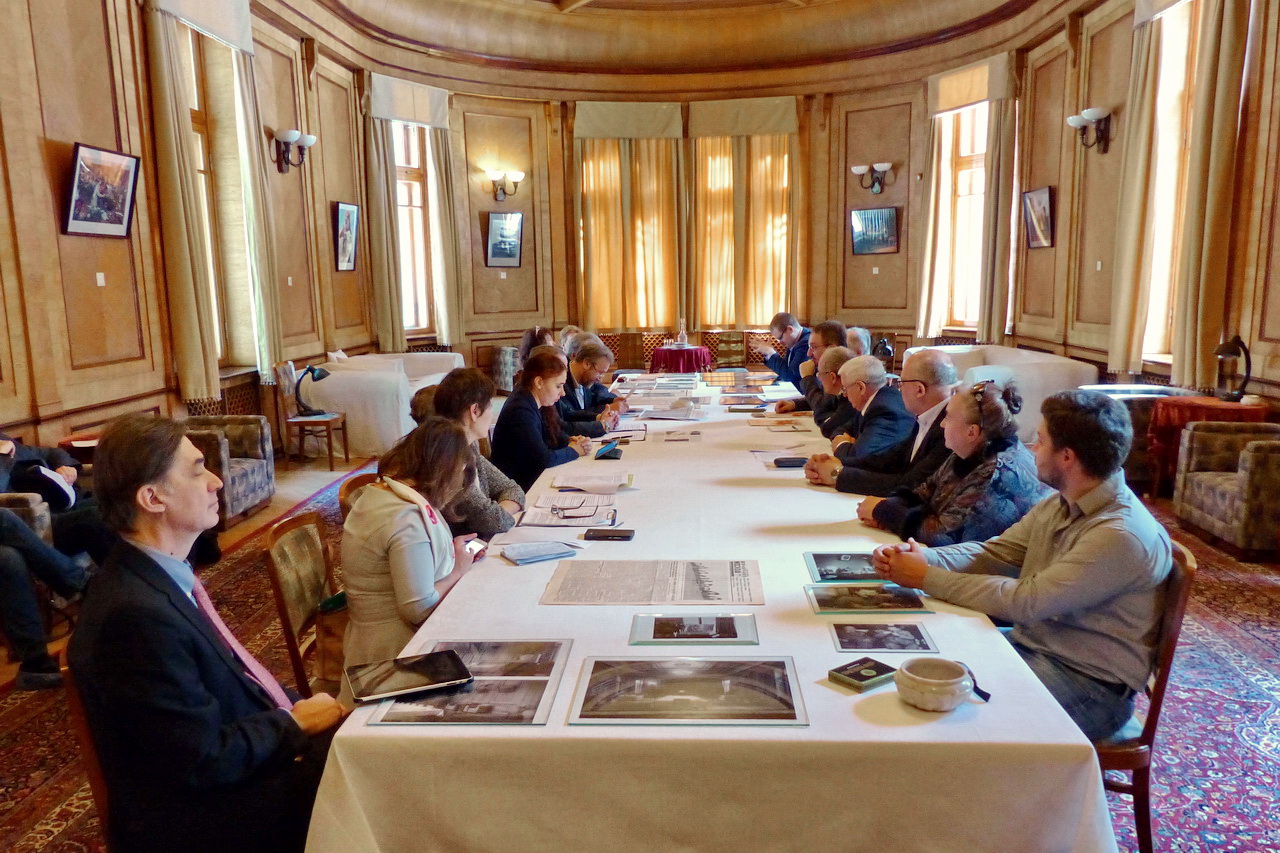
(680,360)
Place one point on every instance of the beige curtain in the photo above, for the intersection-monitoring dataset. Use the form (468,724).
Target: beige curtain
(936,270)
(1132,283)
(384,241)
(714,264)
(1200,314)
(999,208)
(182,216)
(769,261)
(628,241)
(256,171)
(444,240)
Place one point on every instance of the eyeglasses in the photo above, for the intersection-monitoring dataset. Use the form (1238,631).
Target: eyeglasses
(978,391)
(923,384)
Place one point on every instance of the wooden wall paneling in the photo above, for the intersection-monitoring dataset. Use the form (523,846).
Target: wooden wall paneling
(340,167)
(1048,155)
(821,297)
(1106,46)
(280,79)
(564,256)
(867,129)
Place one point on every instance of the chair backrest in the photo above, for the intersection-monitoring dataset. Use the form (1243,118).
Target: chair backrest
(285,375)
(88,752)
(347,491)
(298,562)
(1177,594)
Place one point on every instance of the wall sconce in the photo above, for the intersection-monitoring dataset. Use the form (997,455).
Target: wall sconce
(286,141)
(500,179)
(1233,349)
(879,174)
(1100,120)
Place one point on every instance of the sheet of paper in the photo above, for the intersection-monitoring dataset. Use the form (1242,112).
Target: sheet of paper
(598,484)
(650,582)
(600,516)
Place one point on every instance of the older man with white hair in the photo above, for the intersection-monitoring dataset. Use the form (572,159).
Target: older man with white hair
(885,420)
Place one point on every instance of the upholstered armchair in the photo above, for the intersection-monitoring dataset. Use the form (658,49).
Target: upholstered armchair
(1228,482)
(32,509)
(238,449)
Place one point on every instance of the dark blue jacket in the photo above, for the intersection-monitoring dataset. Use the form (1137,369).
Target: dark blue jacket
(885,424)
(895,468)
(581,420)
(788,369)
(523,447)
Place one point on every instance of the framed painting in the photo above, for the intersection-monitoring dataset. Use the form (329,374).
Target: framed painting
(346,231)
(101,198)
(502,249)
(875,231)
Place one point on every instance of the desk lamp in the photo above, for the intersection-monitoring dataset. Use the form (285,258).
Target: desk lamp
(316,373)
(1232,349)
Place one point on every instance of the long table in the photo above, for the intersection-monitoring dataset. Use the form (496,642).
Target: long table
(868,772)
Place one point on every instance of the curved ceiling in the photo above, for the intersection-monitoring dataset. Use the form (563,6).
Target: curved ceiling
(668,36)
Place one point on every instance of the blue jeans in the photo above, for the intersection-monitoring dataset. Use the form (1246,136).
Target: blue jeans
(1098,709)
(22,554)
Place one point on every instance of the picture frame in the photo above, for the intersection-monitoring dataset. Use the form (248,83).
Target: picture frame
(865,598)
(684,629)
(503,244)
(892,637)
(840,567)
(874,231)
(346,235)
(1037,217)
(103,189)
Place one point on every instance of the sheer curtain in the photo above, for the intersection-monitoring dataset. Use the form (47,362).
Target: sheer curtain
(444,238)
(935,284)
(384,240)
(999,208)
(714,295)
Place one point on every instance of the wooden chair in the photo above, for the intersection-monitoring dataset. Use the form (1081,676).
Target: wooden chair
(301,578)
(1130,749)
(88,753)
(348,489)
(305,425)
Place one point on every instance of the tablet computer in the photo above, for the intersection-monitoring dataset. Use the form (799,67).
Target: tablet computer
(383,679)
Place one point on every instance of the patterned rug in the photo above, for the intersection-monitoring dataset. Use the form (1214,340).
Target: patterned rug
(1215,785)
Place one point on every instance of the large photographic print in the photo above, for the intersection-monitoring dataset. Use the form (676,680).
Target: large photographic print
(489,700)
(503,249)
(491,658)
(864,598)
(103,184)
(346,231)
(875,232)
(882,637)
(698,691)
(1037,214)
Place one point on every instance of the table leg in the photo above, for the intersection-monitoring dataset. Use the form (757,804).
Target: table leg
(328,430)
(346,448)
(285,449)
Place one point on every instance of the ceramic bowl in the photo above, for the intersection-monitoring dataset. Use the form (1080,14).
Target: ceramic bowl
(933,684)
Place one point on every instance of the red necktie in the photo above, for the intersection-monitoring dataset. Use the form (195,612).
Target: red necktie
(252,668)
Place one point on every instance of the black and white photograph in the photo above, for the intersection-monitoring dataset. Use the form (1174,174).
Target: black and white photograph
(346,231)
(695,628)
(1037,213)
(882,637)
(834,567)
(875,232)
(486,700)
(689,691)
(864,598)
(101,198)
(519,659)
(503,247)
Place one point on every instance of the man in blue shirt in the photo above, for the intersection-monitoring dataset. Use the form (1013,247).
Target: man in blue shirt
(795,337)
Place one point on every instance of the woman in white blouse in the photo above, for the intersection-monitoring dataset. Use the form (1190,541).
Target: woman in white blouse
(398,555)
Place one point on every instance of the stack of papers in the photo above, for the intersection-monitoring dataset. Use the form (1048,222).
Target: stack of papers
(598,484)
(589,516)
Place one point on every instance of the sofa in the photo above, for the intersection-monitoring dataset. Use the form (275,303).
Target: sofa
(1039,375)
(374,392)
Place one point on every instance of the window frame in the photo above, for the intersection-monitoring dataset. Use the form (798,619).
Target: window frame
(417,136)
(959,162)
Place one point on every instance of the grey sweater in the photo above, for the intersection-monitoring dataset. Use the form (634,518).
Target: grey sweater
(477,508)
(1081,582)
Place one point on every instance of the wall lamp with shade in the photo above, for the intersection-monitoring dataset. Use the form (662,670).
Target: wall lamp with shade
(316,374)
(500,181)
(879,173)
(1233,349)
(286,141)
(1100,120)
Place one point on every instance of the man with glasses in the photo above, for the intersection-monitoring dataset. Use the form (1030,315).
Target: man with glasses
(884,421)
(1081,576)
(822,337)
(789,332)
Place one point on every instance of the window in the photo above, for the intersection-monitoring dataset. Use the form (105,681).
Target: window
(967,161)
(413,195)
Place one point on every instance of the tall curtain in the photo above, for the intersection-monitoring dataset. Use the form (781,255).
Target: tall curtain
(256,171)
(1200,314)
(627,210)
(182,215)
(998,220)
(768,269)
(384,240)
(444,240)
(714,296)
(936,270)
(1132,283)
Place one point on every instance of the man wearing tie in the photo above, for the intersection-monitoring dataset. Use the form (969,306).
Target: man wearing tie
(201,747)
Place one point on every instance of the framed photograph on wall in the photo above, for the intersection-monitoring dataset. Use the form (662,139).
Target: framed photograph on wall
(1037,213)
(346,231)
(103,184)
(875,231)
(503,246)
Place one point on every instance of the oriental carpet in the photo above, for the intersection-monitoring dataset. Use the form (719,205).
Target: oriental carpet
(1214,786)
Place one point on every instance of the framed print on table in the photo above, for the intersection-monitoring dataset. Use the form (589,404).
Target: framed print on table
(103,185)
(346,231)
(875,231)
(1037,214)
(503,246)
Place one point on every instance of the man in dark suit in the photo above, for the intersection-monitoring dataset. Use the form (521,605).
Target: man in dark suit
(816,397)
(795,337)
(885,421)
(928,379)
(201,748)
(587,407)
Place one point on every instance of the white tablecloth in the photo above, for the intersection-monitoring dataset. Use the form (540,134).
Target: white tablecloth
(868,772)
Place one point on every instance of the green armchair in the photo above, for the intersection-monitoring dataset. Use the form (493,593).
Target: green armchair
(1228,482)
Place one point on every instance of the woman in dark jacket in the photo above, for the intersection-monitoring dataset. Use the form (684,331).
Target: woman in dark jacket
(529,438)
(987,483)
